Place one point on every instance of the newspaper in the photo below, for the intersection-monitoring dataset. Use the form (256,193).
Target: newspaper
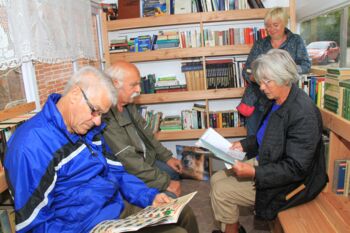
(220,146)
(150,216)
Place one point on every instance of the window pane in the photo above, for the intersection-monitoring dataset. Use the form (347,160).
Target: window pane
(322,37)
(11,88)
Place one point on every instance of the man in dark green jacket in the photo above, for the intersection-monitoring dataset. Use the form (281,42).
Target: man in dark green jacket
(131,139)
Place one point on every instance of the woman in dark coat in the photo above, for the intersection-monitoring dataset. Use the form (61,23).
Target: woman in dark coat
(285,155)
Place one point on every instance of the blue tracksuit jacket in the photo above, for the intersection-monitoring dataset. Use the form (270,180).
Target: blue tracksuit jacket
(63,182)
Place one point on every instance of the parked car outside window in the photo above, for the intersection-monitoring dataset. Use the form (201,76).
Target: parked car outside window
(323,52)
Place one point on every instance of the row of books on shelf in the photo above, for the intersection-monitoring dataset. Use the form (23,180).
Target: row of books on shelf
(7,127)
(186,39)
(225,73)
(147,8)
(331,92)
(195,118)
(169,83)
(220,73)
(233,36)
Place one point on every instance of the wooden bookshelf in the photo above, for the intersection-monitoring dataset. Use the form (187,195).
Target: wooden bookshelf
(3,183)
(179,53)
(339,141)
(181,19)
(336,124)
(194,20)
(196,133)
(7,114)
(170,97)
(318,70)
(15,111)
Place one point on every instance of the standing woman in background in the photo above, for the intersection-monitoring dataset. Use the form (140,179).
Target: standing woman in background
(279,37)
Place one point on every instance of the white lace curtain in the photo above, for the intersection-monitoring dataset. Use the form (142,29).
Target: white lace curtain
(48,31)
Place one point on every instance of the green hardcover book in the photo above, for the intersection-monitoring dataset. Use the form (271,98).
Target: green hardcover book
(345,83)
(330,98)
(339,71)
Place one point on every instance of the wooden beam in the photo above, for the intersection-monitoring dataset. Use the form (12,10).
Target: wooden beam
(18,110)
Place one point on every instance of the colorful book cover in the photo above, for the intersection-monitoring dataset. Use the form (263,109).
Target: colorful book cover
(195,162)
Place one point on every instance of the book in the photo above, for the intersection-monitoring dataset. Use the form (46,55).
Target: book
(182,7)
(220,146)
(340,167)
(150,216)
(338,76)
(339,71)
(345,83)
(128,9)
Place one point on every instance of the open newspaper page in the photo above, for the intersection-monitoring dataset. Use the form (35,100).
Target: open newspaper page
(220,146)
(150,216)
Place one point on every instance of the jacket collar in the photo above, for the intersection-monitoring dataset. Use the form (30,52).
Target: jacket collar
(122,118)
(290,99)
(53,116)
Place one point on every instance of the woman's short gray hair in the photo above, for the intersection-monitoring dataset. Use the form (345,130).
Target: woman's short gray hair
(276,65)
(277,13)
(91,80)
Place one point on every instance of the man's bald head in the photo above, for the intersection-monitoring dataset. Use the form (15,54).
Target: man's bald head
(122,70)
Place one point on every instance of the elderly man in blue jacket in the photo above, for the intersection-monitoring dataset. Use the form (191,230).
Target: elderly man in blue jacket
(59,169)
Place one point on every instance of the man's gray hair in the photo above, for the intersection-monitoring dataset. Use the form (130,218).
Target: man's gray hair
(91,80)
(276,65)
(116,73)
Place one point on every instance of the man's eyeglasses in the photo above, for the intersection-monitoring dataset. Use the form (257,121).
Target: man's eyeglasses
(94,111)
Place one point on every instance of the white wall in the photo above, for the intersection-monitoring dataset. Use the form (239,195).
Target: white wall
(306,9)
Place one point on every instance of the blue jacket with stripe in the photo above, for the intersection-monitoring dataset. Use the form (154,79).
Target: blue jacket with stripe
(63,182)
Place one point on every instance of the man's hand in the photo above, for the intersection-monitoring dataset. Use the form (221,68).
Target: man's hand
(175,164)
(160,199)
(174,187)
(243,169)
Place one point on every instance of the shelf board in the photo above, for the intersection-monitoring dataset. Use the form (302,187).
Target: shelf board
(197,133)
(192,18)
(17,110)
(337,124)
(178,53)
(318,70)
(183,96)
(3,183)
